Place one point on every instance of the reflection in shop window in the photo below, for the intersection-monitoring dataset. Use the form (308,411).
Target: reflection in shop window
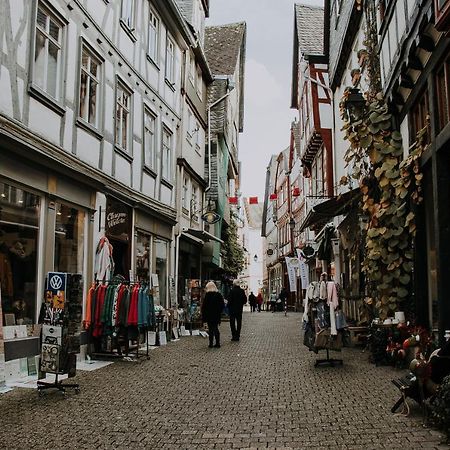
(142,257)
(19,230)
(161,253)
(69,237)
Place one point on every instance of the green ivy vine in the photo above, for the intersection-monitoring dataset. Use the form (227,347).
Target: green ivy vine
(232,251)
(390,187)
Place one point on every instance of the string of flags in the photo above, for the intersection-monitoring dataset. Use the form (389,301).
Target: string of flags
(254,200)
(251,200)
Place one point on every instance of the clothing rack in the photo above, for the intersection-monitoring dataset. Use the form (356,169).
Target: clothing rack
(319,321)
(109,327)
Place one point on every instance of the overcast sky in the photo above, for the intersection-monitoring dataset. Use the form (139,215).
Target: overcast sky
(267,81)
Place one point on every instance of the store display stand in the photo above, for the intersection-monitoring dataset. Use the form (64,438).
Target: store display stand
(328,361)
(60,335)
(43,385)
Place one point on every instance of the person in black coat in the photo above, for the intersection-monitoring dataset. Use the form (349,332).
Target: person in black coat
(212,308)
(236,301)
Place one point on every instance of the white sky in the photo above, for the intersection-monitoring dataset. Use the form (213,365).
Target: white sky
(268,76)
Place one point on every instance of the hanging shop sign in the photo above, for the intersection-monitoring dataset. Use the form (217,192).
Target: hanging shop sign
(118,220)
(292,265)
(304,269)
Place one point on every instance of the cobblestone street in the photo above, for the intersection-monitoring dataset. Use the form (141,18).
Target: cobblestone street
(261,392)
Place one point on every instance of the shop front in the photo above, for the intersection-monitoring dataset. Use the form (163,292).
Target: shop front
(44,226)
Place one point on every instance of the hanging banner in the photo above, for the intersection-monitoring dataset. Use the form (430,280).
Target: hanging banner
(292,266)
(304,270)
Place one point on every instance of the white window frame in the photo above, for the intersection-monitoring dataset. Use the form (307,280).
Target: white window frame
(150,143)
(199,83)
(197,137)
(192,70)
(122,107)
(84,115)
(190,126)
(194,202)
(153,36)
(45,33)
(127,13)
(185,194)
(170,61)
(166,154)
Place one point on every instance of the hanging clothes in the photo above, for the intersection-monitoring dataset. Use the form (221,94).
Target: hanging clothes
(104,262)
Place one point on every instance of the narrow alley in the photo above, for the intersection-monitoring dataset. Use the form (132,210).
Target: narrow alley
(261,392)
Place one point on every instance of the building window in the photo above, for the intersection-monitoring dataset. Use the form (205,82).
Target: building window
(127,13)
(69,239)
(192,70)
(418,117)
(197,136)
(167,155)
(123,103)
(170,61)
(153,37)
(149,139)
(190,126)
(199,83)
(143,256)
(161,268)
(443,95)
(194,203)
(184,199)
(19,234)
(89,87)
(47,52)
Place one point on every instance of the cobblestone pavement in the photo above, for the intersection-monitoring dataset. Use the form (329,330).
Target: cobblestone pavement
(261,392)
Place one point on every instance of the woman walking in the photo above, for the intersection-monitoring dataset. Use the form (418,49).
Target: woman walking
(212,307)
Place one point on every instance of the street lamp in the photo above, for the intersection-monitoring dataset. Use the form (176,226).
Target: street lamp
(255,258)
(292,224)
(354,104)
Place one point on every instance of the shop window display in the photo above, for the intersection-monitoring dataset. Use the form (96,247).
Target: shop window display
(69,237)
(19,230)
(161,255)
(142,257)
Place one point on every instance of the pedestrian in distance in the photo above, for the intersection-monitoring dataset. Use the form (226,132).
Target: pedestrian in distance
(273,300)
(259,301)
(282,299)
(212,308)
(236,301)
(252,301)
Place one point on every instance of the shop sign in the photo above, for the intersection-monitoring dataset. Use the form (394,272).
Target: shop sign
(117,224)
(292,265)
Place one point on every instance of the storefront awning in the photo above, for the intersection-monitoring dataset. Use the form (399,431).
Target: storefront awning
(330,208)
(202,235)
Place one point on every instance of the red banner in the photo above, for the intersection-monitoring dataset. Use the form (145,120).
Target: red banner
(273,196)
(233,200)
(253,200)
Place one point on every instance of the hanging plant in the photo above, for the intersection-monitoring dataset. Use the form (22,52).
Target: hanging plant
(390,186)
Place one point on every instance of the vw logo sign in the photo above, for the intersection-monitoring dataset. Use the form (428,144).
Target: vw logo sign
(56,282)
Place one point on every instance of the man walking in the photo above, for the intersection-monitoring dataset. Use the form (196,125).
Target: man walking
(236,301)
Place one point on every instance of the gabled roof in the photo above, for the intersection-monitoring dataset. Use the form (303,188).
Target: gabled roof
(308,41)
(222,46)
(309,29)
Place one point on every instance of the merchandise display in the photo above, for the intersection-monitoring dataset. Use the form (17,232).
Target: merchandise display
(117,313)
(323,322)
(61,327)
